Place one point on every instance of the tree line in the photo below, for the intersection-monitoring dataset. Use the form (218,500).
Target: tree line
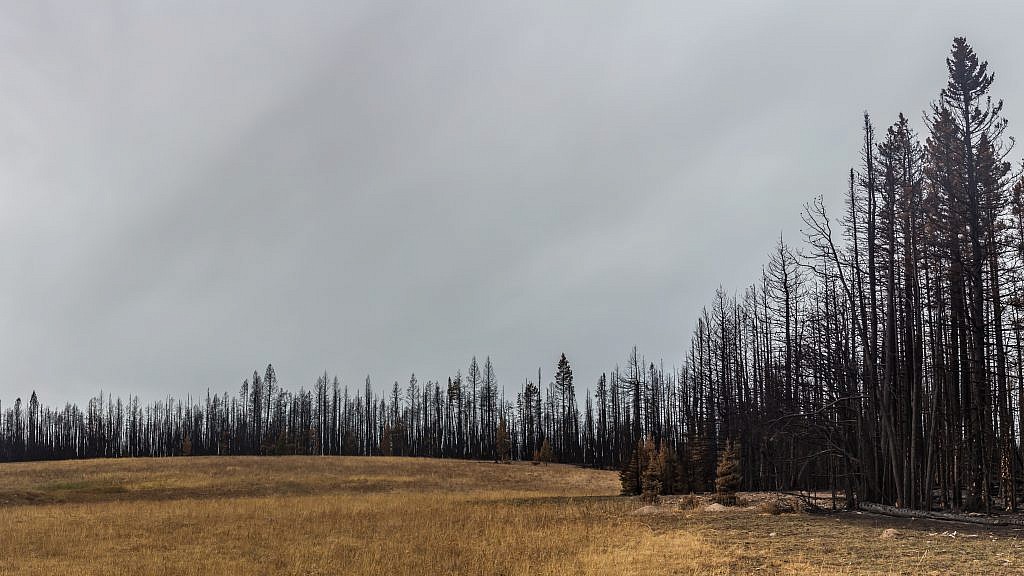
(881,358)
(469,416)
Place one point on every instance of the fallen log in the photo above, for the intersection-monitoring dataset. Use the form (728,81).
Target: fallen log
(946,516)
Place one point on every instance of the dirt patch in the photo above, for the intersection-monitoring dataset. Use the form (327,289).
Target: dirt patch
(652,510)
(889,534)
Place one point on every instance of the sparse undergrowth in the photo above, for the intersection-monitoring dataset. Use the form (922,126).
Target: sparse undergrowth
(312,515)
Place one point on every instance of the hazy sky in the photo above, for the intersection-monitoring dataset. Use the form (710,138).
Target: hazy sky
(191,190)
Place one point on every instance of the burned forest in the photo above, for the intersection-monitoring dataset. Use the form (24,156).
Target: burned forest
(878,358)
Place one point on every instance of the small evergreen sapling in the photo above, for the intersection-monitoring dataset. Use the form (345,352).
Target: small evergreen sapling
(186,445)
(501,443)
(697,454)
(545,455)
(668,469)
(629,476)
(632,471)
(650,480)
(727,480)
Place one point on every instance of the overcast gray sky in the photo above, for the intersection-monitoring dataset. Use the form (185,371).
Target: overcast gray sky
(191,190)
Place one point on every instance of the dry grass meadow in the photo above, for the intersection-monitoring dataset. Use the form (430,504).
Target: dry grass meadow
(348,515)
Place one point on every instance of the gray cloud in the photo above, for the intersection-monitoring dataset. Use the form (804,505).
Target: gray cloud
(192,190)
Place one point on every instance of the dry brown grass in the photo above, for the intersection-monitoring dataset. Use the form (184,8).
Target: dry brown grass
(297,515)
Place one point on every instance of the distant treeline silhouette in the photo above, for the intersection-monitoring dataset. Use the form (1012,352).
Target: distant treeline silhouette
(882,360)
(466,417)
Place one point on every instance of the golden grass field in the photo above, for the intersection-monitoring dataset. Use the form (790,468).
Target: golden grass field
(349,515)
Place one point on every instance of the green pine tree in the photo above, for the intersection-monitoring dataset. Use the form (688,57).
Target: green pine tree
(502,444)
(697,457)
(668,470)
(545,455)
(629,476)
(727,478)
(650,479)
